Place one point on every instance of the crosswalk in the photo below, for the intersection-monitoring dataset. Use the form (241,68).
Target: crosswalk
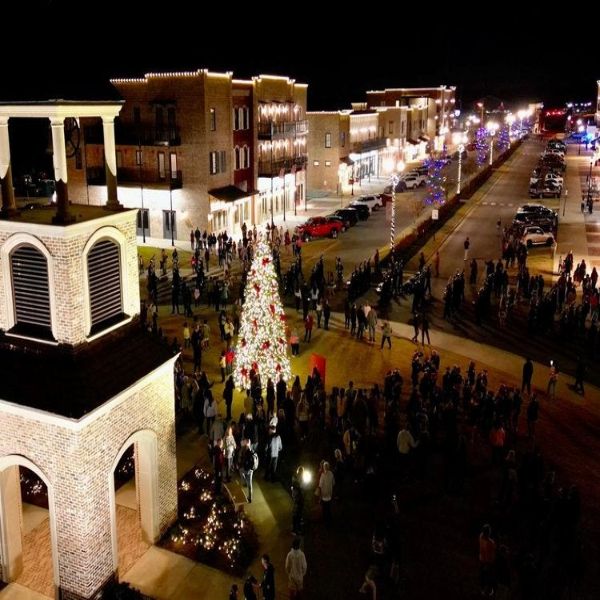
(509,204)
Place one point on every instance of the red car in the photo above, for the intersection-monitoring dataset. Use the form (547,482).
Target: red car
(320,227)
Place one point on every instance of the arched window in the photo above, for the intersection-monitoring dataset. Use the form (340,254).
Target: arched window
(236,154)
(31,296)
(104,280)
(246,150)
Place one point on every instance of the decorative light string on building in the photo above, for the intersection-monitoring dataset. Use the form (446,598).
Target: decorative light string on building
(262,344)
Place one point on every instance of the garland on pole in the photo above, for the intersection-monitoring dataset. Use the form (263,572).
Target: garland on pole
(262,344)
(481,146)
(436,193)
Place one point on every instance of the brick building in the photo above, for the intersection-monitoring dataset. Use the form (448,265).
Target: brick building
(81,383)
(346,146)
(201,149)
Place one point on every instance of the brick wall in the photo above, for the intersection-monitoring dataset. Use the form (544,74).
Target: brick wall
(66,247)
(78,466)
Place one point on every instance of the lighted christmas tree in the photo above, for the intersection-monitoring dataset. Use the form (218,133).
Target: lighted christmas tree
(436,194)
(262,344)
(481,145)
(504,138)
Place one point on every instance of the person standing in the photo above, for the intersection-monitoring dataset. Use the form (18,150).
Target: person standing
(527,375)
(268,582)
(248,464)
(297,501)
(230,446)
(308,326)
(371,324)
(425,330)
(386,334)
(466,246)
(228,396)
(487,559)
(250,588)
(295,567)
(553,376)
(275,447)
(326,483)
(326,314)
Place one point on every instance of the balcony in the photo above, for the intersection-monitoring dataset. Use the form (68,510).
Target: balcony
(267,168)
(136,135)
(135,176)
(369,145)
(275,131)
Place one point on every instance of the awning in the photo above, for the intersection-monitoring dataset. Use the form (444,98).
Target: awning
(230,193)
(347,160)
(424,138)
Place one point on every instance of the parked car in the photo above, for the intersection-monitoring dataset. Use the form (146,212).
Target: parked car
(537,209)
(349,215)
(414,181)
(373,202)
(535,236)
(400,187)
(549,189)
(362,210)
(320,227)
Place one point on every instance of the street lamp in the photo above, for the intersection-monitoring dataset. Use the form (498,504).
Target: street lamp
(461,140)
(492,127)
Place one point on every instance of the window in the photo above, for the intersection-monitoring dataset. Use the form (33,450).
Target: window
(29,270)
(328,140)
(162,170)
(391,127)
(246,118)
(315,163)
(343,139)
(246,156)
(139,158)
(212,163)
(222,161)
(327,163)
(236,159)
(173,165)
(236,119)
(171,118)
(104,280)
(213,119)
(143,221)
(159,119)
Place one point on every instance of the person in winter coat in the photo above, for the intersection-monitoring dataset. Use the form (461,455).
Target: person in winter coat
(295,567)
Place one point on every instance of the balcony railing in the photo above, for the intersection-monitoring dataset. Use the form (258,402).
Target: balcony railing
(272,131)
(267,168)
(368,145)
(135,175)
(133,135)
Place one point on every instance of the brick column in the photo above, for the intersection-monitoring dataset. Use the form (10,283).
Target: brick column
(59,159)
(6,181)
(110,162)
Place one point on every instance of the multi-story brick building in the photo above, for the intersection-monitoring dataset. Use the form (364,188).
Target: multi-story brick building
(440,102)
(81,382)
(348,145)
(201,149)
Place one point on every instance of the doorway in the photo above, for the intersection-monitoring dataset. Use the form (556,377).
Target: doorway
(169,225)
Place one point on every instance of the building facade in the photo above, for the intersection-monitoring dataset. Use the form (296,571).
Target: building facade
(82,383)
(201,149)
(346,146)
(439,101)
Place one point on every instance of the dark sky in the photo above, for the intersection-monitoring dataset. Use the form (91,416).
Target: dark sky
(70,49)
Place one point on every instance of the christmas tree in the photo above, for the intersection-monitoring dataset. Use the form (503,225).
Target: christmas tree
(436,194)
(262,345)
(481,145)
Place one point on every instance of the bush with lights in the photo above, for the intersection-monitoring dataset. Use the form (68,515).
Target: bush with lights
(209,529)
(262,344)
(504,139)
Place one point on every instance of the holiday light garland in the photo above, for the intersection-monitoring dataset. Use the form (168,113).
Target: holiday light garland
(262,344)
(504,138)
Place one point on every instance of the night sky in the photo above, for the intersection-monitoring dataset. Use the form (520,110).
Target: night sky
(71,49)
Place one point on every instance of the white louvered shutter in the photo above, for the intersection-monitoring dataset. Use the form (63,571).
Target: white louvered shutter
(104,276)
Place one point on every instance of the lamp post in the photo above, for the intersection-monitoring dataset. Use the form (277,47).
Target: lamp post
(461,140)
(140,165)
(492,128)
